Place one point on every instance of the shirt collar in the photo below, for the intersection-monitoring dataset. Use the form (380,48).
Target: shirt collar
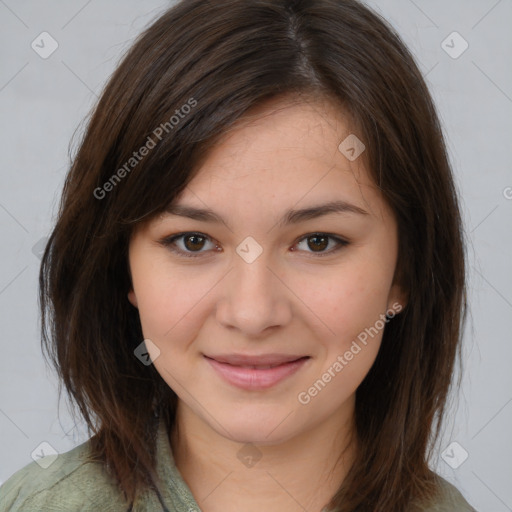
(173,493)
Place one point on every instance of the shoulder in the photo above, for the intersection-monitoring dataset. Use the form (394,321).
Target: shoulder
(71,483)
(449,499)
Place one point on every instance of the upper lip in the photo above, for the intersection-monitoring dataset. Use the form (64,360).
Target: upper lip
(256,360)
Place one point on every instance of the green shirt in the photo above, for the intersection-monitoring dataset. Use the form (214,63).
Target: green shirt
(73,484)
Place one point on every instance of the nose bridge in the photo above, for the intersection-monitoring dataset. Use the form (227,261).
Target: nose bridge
(254,298)
(254,276)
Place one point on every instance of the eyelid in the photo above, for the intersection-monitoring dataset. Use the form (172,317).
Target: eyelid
(168,242)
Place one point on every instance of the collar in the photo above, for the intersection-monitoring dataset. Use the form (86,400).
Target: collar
(173,493)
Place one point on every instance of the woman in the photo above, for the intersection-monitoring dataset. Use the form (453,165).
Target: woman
(254,290)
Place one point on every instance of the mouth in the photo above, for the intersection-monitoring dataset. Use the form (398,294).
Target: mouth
(256,372)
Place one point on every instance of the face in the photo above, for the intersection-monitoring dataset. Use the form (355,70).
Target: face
(266,314)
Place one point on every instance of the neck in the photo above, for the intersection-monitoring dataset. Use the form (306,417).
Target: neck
(300,473)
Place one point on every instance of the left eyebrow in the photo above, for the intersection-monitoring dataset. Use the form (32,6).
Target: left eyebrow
(290,217)
(313,212)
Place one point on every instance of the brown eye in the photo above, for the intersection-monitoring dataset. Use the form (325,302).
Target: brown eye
(318,243)
(190,245)
(194,242)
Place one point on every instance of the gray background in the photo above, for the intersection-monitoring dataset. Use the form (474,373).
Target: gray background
(43,102)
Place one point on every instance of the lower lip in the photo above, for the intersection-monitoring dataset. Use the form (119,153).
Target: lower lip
(253,378)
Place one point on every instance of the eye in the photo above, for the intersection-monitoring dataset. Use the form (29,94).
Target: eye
(318,242)
(191,245)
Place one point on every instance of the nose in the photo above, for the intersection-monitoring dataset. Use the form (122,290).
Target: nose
(254,298)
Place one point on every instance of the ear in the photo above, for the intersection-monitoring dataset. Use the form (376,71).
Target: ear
(132,298)
(397,298)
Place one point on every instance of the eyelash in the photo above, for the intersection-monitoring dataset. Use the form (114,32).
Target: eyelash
(169,242)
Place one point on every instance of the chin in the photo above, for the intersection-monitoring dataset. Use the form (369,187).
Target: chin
(257,427)
(256,436)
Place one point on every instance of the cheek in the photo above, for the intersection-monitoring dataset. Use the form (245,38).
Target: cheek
(349,300)
(352,307)
(165,299)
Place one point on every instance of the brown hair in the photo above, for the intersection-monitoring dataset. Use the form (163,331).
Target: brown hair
(222,58)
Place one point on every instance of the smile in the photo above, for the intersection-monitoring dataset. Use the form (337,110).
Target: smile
(260,375)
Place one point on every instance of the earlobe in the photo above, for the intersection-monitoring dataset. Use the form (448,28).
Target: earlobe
(132,298)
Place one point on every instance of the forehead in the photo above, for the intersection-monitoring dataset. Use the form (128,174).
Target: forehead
(280,160)
(288,148)
(288,128)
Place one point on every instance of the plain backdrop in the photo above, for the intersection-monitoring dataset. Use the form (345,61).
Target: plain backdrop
(43,101)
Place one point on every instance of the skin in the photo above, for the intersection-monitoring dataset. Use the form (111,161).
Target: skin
(289,300)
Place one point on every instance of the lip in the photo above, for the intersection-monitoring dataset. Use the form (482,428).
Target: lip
(253,372)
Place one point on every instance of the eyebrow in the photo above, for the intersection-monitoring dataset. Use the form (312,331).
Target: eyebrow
(290,217)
